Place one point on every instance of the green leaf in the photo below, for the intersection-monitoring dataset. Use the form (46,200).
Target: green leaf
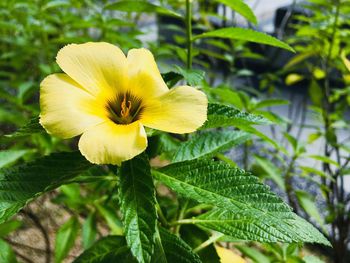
(65,238)
(248,209)
(21,184)
(33,126)
(106,250)
(137,197)
(270,102)
(195,236)
(324,159)
(307,202)
(192,76)
(209,143)
(253,253)
(89,230)
(270,227)
(245,34)
(114,249)
(140,7)
(271,170)
(9,156)
(9,226)
(240,7)
(111,218)
(176,250)
(7,255)
(225,116)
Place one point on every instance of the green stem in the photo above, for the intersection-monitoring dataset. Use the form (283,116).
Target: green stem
(188,23)
(215,237)
(181,216)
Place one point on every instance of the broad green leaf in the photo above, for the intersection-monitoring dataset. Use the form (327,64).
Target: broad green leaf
(9,156)
(137,198)
(21,184)
(33,126)
(221,185)
(89,230)
(240,7)
(175,249)
(114,249)
(269,227)
(225,116)
(65,238)
(106,250)
(259,214)
(271,170)
(140,7)
(7,254)
(245,34)
(209,143)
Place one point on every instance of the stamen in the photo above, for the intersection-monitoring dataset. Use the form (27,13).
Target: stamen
(125,109)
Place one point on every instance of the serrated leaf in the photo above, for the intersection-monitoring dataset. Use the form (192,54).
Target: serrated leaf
(9,156)
(106,250)
(114,249)
(20,184)
(261,215)
(192,76)
(225,116)
(245,34)
(209,143)
(240,7)
(137,198)
(65,238)
(175,249)
(33,126)
(245,225)
(140,7)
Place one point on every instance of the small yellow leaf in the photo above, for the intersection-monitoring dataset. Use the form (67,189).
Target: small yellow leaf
(293,78)
(228,256)
(319,73)
(345,61)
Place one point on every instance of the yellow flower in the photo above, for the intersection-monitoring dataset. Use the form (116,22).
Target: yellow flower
(109,98)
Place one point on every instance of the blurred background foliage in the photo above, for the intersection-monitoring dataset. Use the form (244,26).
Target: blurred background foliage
(304,155)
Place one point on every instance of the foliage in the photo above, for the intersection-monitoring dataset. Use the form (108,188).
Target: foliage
(199,198)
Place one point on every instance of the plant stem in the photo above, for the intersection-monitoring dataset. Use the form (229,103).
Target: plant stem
(188,23)
(211,240)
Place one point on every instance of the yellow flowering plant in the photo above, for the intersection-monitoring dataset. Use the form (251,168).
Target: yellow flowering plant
(109,98)
(149,168)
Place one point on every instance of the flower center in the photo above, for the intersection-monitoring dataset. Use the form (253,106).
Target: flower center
(124,109)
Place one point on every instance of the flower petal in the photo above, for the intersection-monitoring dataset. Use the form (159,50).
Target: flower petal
(181,110)
(144,74)
(110,143)
(97,67)
(67,110)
